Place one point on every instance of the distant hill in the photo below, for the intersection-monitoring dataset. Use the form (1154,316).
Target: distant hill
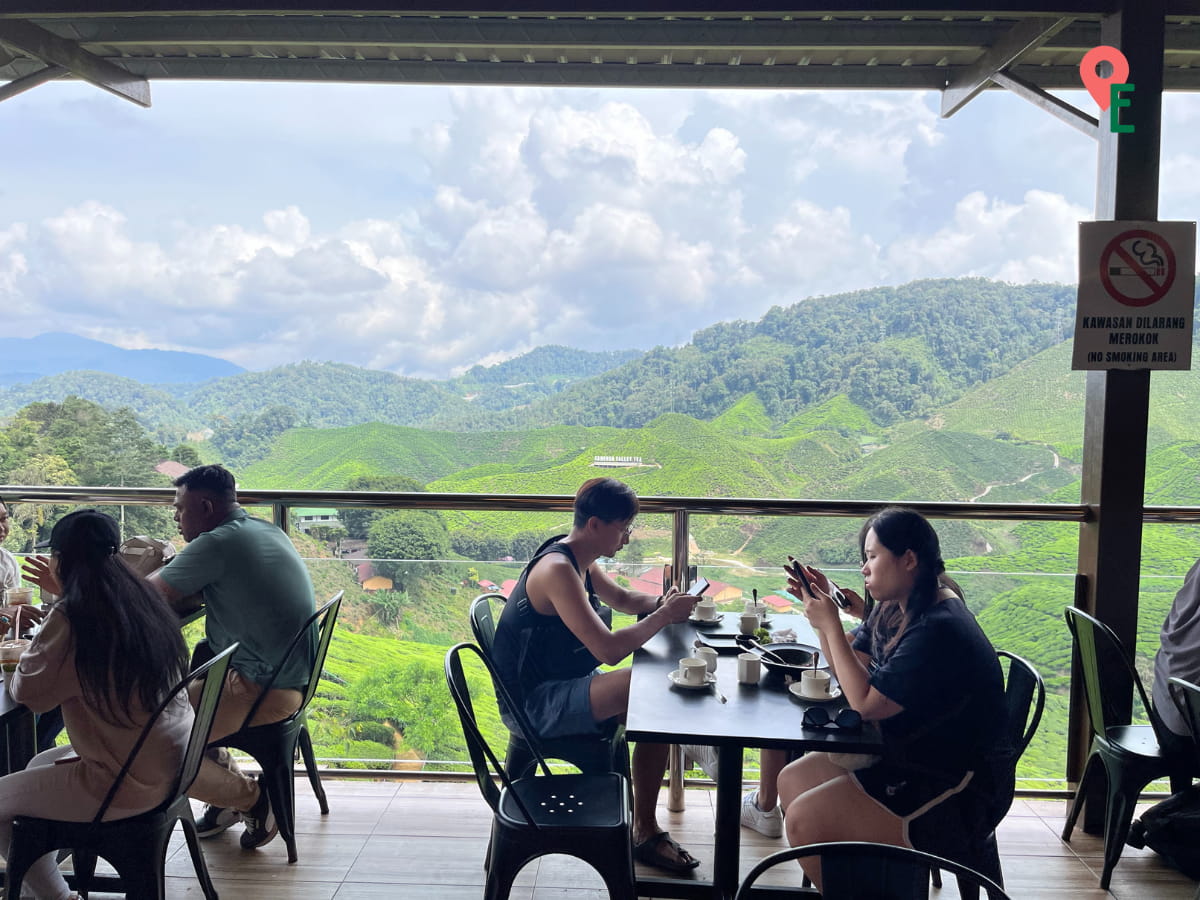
(552,361)
(897,353)
(155,409)
(24,360)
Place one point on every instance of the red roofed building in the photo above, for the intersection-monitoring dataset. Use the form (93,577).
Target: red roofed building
(507,587)
(170,468)
(774,600)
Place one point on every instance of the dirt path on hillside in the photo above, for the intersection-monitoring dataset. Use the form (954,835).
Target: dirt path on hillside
(987,490)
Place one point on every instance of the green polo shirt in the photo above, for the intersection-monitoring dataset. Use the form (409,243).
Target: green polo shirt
(257,591)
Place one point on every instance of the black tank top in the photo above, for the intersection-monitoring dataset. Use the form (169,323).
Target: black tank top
(531,648)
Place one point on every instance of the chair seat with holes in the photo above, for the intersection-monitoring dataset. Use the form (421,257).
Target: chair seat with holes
(565,801)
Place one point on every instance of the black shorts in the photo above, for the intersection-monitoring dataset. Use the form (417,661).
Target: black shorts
(939,812)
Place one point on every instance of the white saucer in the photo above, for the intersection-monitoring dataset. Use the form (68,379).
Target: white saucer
(715,620)
(794,688)
(709,679)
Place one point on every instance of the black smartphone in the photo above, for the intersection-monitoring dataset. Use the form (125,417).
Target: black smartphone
(835,593)
(699,586)
(838,597)
(796,569)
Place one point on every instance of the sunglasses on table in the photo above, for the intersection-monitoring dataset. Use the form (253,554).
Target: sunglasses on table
(847,719)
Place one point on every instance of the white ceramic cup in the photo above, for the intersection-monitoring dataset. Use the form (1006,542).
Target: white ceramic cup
(749,668)
(692,670)
(706,610)
(815,684)
(18,596)
(759,609)
(709,655)
(748,623)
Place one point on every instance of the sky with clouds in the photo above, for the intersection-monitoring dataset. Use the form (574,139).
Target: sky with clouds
(423,230)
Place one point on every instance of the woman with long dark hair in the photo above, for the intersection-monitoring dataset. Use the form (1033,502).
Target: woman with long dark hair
(922,668)
(108,652)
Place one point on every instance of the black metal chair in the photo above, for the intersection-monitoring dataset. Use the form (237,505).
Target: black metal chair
(1131,756)
(1024,702)
(853,870)
(273,745)
(136,847)
(607,752)
(582,815)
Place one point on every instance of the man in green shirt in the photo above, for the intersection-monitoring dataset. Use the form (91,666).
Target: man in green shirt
(257,592)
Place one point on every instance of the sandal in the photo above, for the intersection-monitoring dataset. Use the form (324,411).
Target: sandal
(650,852)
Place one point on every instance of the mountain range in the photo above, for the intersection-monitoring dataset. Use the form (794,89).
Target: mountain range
(896,353)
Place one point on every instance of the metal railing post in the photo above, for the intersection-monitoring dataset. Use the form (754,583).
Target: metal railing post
(679,565)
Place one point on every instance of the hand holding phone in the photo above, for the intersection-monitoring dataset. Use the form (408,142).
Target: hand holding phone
(797,570)
(699,586)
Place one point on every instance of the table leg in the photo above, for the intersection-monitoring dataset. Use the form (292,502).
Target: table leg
(727,848)
(19,739)
(675,801)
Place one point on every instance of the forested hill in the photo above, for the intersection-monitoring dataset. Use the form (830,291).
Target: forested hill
(898,353)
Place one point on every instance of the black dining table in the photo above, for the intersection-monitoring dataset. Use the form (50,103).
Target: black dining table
(762,715)
(17,728)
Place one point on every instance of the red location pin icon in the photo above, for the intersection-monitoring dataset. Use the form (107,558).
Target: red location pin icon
(1099,87)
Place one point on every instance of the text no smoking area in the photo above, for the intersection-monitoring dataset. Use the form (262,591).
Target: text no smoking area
(1136,282)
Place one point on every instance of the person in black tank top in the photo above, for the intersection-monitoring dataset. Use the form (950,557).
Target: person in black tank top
(556,629)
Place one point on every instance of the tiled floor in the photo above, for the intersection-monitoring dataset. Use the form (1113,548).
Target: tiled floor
(427,839)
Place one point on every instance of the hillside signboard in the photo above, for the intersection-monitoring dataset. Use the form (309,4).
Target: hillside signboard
(1137,283)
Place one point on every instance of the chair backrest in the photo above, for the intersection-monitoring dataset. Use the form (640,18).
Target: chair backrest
(483,619)
(1187,698)
(212,673)
(486,764)
(327,615)
(1023,689)
(853,870)
(1109,676)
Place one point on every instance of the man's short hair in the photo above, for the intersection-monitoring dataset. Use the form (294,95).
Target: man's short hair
(607,499)
(217,481)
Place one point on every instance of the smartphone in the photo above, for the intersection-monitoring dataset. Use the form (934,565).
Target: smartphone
(835,592)
(796,569)
(699,586)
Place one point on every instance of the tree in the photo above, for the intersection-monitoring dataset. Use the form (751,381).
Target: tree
(407,545)
(358,520)
(414,700)
(187,455)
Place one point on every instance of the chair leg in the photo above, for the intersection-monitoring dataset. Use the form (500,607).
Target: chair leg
(198,862)
(935,876)
(1117,817)
(83,866)
(281,791)
(1080,792)
(310,766)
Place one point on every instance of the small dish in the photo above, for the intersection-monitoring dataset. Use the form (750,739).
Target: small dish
(707,623)
(710,679)
(834,694)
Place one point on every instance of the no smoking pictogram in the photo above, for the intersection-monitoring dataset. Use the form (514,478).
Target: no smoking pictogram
(1137,268)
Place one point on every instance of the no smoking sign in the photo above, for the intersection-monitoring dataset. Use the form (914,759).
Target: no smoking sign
(1136,287)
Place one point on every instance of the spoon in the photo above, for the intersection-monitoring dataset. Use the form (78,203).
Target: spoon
(774,657)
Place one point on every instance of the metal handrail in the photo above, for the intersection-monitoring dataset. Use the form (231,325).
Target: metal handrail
(759,506)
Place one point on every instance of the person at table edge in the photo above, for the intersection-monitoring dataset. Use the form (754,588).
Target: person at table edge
(923,669)
(50,722)
(257,592)
(551,638)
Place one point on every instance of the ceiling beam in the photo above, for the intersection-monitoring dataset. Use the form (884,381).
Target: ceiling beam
(56,51)
(1008,50)
(1060,109)
(28,82)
